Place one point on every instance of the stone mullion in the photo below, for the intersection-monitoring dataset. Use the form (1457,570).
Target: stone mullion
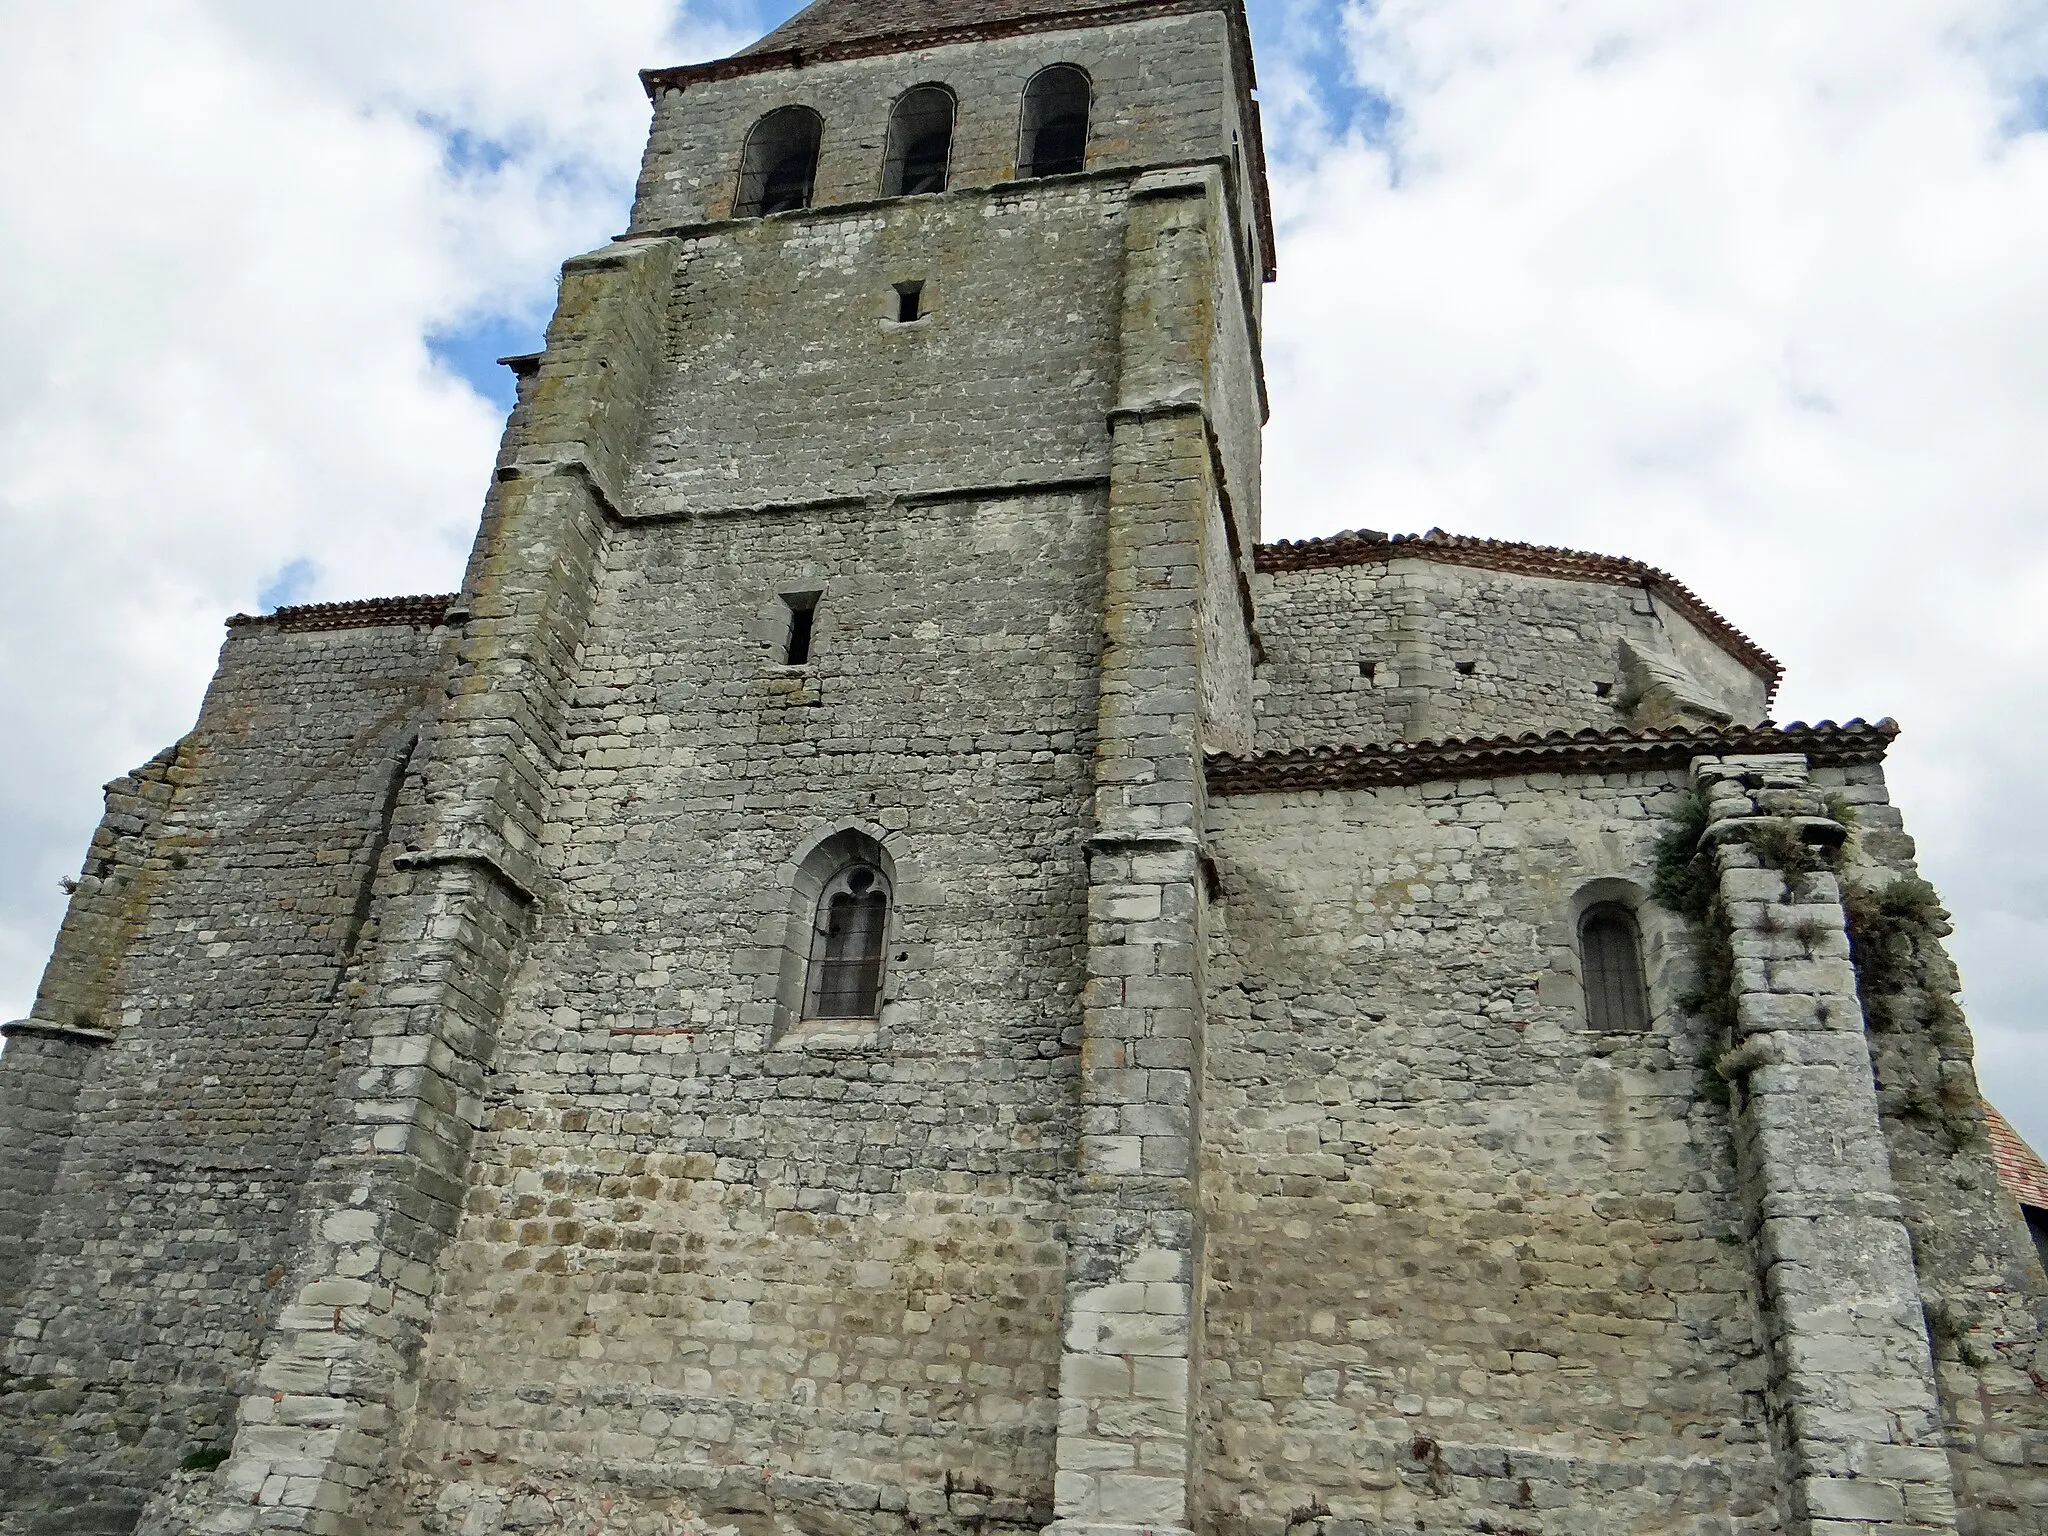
(1124,1452)
(1852,1391)
(334,1385)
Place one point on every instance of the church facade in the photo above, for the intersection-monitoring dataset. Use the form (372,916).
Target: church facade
(887,966)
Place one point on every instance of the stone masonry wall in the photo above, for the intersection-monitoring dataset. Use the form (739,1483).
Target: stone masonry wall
(50,1053)
(1540,650)
(782,331)
(1163,94)
(741,1273)
(159,1241)
(1470,1266)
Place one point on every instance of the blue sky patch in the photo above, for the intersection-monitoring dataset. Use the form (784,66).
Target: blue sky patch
(289,583)
(471,352)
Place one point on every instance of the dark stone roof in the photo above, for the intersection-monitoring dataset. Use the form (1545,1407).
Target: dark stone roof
(1365,546)
(423,612)
(828,23)
(1495,757)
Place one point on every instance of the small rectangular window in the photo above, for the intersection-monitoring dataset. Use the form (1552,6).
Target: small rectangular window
(803,608)
(1368,670)
(1467,668)
(909,302)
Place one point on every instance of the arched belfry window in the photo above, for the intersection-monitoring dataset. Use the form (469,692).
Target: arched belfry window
(920,142)
(1054,141)
(1611,965)
(848,943)
(779,164)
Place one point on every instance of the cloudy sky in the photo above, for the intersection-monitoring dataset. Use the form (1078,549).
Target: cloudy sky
(1757,292)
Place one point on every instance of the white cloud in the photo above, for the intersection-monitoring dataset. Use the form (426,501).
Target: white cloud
(1753,291)
(229,228)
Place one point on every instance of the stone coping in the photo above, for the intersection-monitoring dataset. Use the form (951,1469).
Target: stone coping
(424,611)
(1365,546)
(1492,757)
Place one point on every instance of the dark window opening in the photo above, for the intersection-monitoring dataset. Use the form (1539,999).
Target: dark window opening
(847,948)
(779,164)
(1368,670)
(920,142)
(1603,690)
(1467,668)
(803,608)
(1055,136)
(1611,966)
(2037,1228)
(909,301)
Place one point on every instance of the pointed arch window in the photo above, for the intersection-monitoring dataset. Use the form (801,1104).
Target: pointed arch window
(920,142)
(1054,141)
(848,942)
(780,163)
(1611,965)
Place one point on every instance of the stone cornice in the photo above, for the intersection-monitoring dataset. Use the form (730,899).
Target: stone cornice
(425,612)
(1618,751)
(1367,548)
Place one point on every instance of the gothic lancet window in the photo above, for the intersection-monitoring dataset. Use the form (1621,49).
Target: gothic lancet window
(1611,963)
(847,944)
(779,163)
(1055,131)
(920,142)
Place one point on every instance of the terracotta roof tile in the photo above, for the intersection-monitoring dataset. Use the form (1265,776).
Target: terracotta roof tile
(1617,751)
(2020,1168)
(424,611)
(1365,547)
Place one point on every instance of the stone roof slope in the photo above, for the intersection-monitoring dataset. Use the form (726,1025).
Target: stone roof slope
(2020,1168)
(1622,750)
(832,23)
(1365,546)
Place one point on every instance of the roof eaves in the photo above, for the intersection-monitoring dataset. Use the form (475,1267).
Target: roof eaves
(1489,757)
(423,611)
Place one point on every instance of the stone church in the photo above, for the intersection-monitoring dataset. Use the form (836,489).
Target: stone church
(886,966)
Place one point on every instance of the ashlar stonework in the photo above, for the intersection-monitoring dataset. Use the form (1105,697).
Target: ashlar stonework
(437,1115)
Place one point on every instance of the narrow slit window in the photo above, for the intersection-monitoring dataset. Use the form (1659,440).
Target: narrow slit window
(1055,128)
(1611,965)
(909,302)
(847,947)
(780,163)
(803,611)
(920,142)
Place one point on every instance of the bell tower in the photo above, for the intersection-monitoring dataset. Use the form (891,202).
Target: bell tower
(776,1070)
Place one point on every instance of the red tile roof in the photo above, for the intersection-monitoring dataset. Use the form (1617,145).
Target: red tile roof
(2020,1168)
(1364,547)
(423,611)
(1617,751)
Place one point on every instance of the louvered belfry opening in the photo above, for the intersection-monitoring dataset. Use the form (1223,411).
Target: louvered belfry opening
(920,142)
(780,163)
(848,946)
(1055,128)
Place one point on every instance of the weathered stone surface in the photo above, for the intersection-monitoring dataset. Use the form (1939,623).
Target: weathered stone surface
(422,1126)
